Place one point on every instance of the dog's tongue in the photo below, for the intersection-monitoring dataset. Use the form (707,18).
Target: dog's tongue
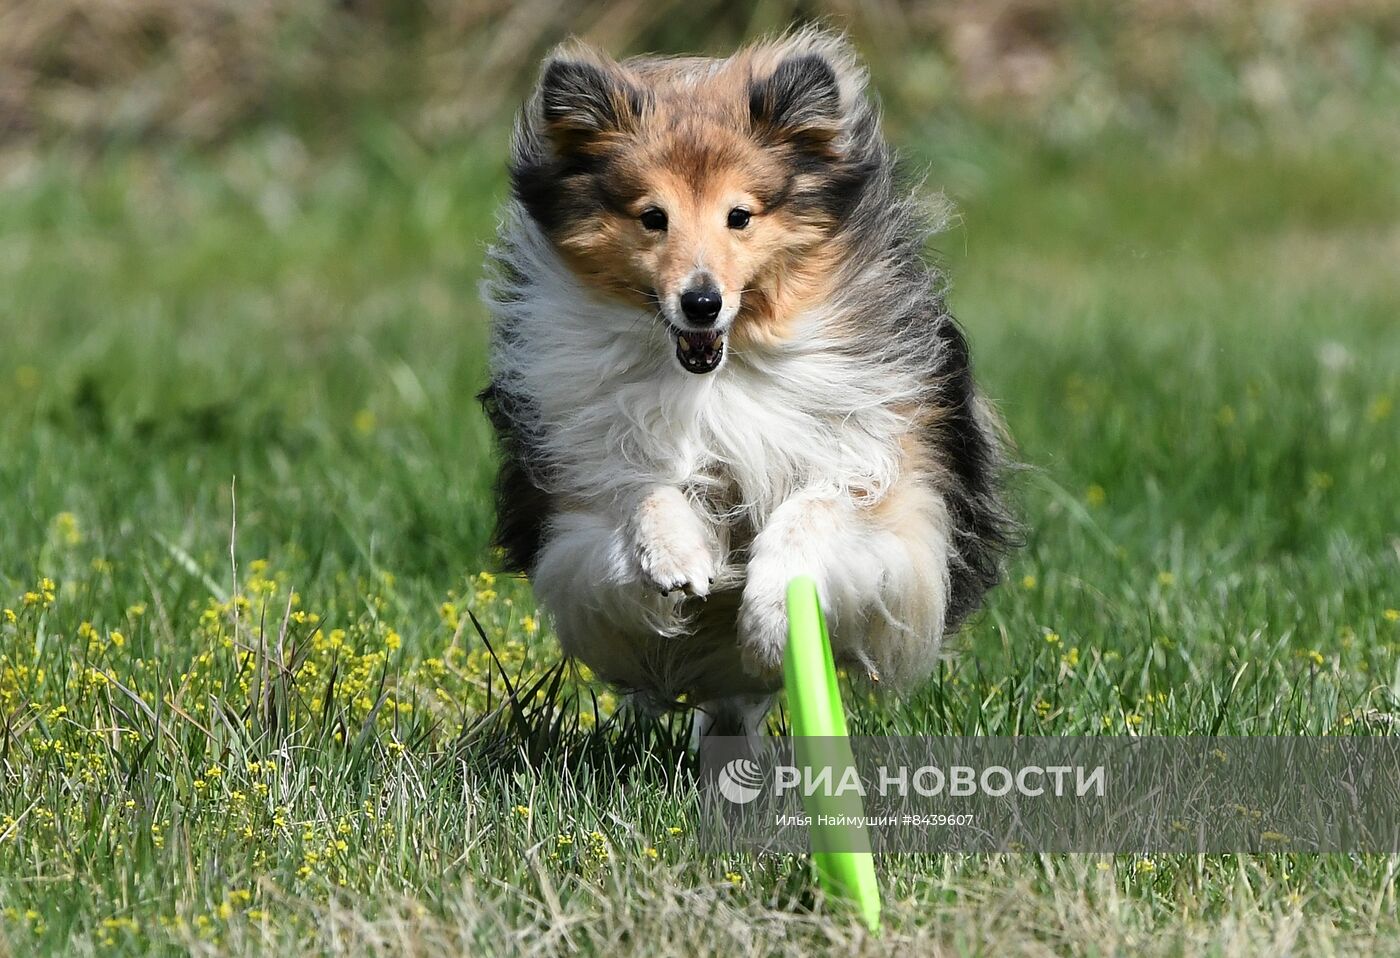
(699,353)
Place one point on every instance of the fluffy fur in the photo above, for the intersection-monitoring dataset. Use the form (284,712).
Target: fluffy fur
(659,512)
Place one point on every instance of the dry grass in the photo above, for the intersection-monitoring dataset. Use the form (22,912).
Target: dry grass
(1075,909)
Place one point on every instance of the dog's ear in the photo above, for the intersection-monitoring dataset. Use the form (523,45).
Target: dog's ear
(583,96)
(798,103)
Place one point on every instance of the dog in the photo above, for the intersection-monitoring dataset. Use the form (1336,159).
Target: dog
(719,360)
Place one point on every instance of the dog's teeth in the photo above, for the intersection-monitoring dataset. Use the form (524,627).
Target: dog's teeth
(685,344)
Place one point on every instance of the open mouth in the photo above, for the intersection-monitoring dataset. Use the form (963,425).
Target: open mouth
(699,353)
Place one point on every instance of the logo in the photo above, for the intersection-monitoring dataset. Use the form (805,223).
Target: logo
(740,781)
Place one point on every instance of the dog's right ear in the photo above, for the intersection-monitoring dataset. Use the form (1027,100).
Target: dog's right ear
(584,97)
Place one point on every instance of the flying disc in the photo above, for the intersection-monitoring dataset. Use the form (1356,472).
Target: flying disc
(820,738)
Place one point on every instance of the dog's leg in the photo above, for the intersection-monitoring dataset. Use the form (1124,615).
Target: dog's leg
(881,571)
(674,549)
(739,715)
(797,540)
(586,578)
(605,581)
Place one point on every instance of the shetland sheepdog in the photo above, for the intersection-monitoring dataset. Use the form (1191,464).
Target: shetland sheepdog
(720,360)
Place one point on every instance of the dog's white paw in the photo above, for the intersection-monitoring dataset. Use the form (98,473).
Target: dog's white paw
(763,627)
(673,552)
(672,566)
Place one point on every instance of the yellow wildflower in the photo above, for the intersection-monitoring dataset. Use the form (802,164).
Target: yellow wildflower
(65,524)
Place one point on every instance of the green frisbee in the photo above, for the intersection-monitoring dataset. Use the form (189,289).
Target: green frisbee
(820,738)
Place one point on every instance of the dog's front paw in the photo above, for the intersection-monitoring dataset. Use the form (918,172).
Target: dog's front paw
(763,629)
(673,552)
(670,566)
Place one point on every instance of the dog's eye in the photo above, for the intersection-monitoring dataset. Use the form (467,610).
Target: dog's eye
(653,219)
(739,218)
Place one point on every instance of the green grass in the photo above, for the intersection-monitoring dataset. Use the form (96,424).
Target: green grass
(233,376)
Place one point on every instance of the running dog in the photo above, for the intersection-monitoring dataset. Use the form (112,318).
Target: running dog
(720,360)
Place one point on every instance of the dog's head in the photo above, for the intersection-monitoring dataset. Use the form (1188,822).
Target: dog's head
(710,191)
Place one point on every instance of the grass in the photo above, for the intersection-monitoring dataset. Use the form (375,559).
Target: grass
(243,702)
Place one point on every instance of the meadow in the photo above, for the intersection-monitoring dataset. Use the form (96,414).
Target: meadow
(245,704)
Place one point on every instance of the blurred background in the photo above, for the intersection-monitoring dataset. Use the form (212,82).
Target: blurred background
(205,70)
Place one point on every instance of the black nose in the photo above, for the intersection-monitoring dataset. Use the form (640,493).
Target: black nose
(701,306)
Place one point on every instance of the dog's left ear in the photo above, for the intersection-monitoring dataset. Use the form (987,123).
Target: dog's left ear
(798,103)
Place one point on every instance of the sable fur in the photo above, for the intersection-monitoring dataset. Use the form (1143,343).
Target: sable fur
(842,436)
